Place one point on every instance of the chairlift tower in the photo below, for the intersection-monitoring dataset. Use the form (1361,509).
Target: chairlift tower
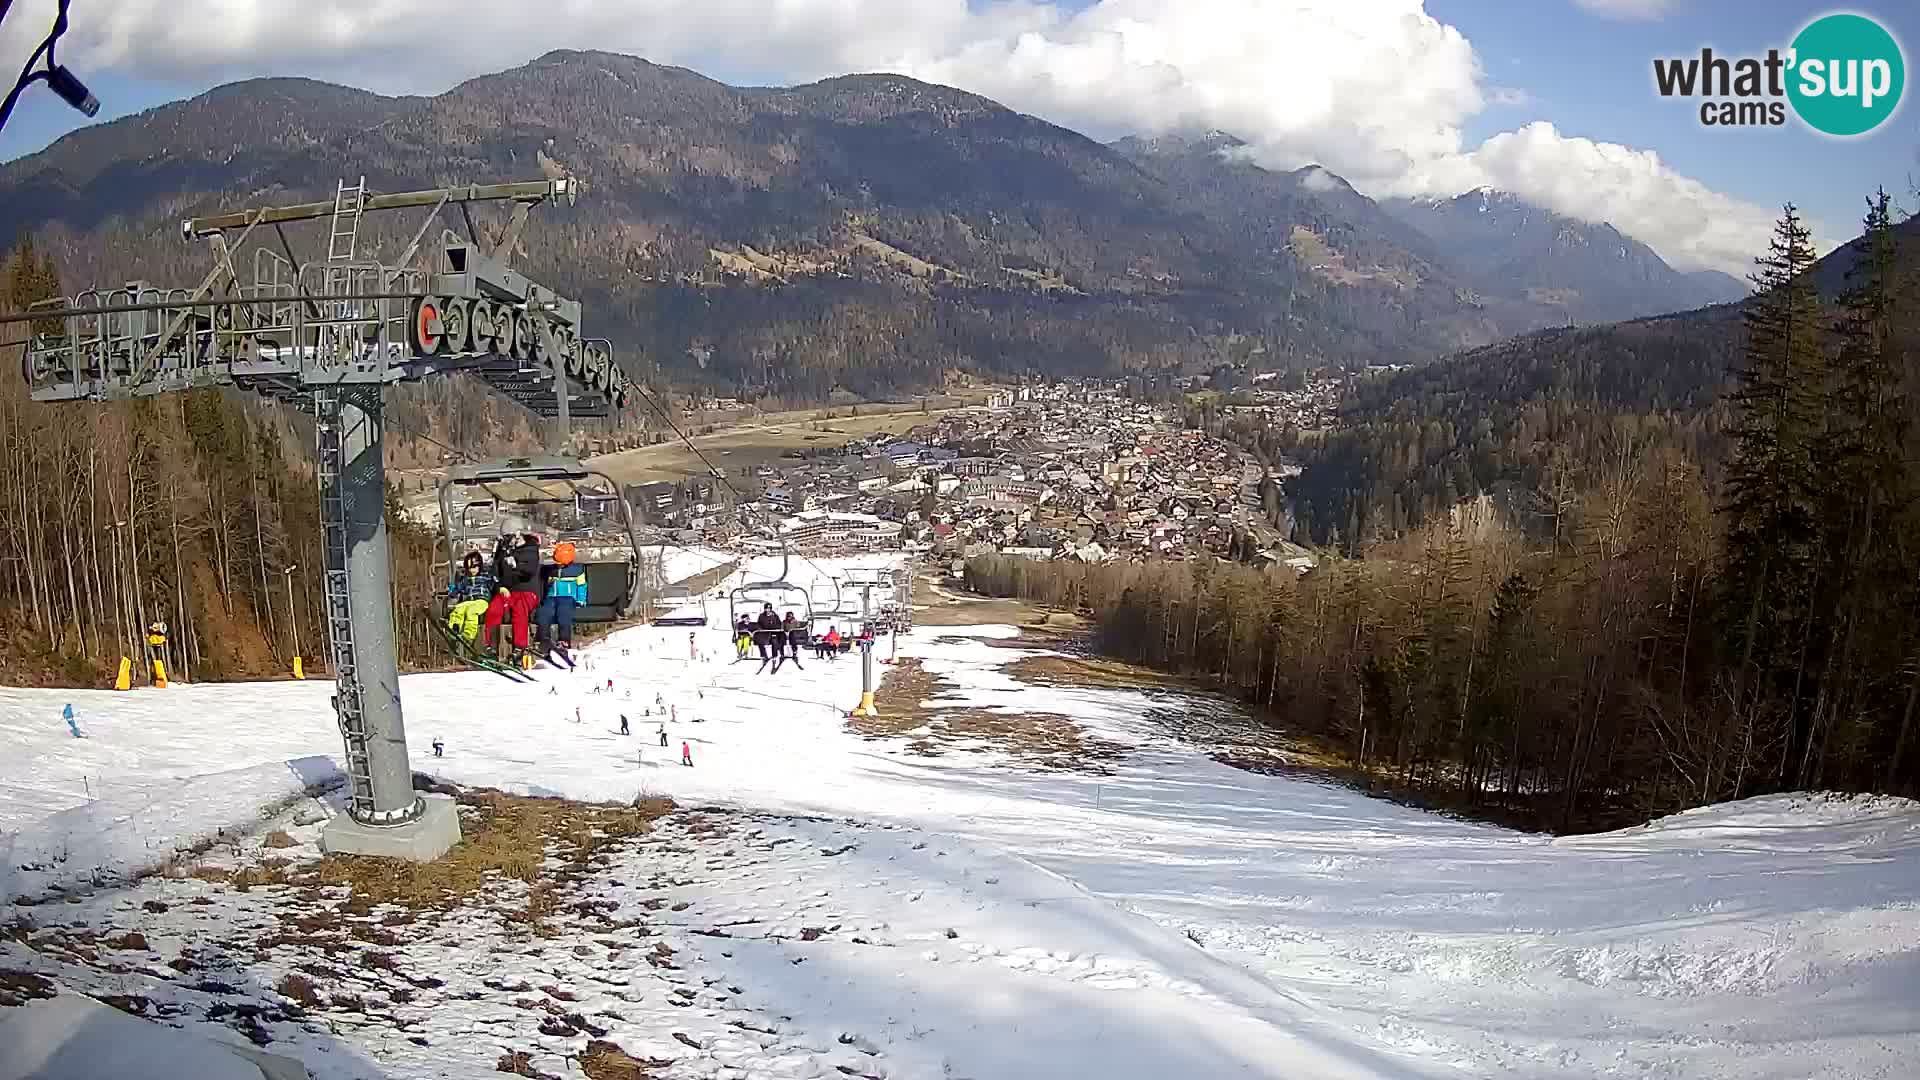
(327,336)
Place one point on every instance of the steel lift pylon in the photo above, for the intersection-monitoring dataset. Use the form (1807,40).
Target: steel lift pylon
(327,336)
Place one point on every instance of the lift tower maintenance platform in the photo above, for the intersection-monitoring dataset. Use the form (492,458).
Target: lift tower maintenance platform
(326,335)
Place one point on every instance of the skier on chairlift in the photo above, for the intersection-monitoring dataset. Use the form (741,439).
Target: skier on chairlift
(770,636)
(469,597)
(566,590)
(516,570)
(796,634)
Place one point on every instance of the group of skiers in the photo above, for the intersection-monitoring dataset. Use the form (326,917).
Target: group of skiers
(781,640)
(516,585)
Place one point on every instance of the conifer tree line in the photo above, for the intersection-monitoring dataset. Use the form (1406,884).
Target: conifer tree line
(187,509)
(1665,632)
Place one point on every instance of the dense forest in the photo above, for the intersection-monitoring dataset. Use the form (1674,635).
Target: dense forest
(1669,636)
(1529,419)
(1525,421)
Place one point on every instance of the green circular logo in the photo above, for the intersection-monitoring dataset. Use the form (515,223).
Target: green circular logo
(1846,76)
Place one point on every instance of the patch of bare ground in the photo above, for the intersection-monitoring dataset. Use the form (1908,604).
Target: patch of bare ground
(1047,739)
(1092,672)
(339,944)
(1059,631)
(603,1060)
(20,987)
(974,612)
(502,837)
(937,602)
(520,1063)
(706,580)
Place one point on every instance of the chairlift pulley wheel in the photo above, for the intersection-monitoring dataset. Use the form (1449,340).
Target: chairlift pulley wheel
(456,321)
(486,331)
(429,332)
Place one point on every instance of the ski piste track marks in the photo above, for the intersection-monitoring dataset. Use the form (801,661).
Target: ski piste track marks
(1172,917)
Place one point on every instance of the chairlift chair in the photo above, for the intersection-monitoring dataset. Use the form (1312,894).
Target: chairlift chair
(479,501)
(746,599)
(863,592)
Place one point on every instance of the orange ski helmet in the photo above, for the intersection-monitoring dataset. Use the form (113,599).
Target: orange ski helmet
(563,553)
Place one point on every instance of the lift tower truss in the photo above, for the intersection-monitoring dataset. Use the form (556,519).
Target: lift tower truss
(326,336)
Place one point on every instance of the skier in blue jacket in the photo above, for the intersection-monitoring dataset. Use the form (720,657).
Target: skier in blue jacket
(566,590)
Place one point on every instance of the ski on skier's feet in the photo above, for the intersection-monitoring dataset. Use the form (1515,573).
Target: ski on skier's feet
(471,657)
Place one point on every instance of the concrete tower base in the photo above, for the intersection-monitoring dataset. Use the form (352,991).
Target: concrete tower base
(423,839)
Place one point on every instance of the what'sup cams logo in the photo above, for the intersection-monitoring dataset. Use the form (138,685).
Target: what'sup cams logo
(1843,76)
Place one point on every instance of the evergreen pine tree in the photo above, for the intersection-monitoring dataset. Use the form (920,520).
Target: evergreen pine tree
(1864,452)
(1772,488)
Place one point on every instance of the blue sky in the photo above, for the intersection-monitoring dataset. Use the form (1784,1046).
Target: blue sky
(1587,74)
(1592,76)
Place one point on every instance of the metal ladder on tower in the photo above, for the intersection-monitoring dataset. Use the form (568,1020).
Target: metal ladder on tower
(344,238)
(348,704)
(343,243)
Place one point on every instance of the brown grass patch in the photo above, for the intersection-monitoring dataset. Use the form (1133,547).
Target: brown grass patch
(1048,739)
(520,1063)
(707,580)
(604,1061)
(941,608)
(379,961)
(266,872)
(504,837)
(132,939)
(20,987)
(1091,672)
(296,987)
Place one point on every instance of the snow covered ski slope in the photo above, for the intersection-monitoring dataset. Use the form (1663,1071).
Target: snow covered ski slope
(1161,915)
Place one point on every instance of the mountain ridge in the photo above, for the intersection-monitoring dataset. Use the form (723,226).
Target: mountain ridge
(869,233)
(1601,274)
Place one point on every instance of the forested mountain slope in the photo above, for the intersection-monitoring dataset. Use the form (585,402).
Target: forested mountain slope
(870,233)
(1518,417)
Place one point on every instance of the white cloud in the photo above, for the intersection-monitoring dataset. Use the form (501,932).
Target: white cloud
(1687,222)
(1627,9)
(1319,180)
(1376,90)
